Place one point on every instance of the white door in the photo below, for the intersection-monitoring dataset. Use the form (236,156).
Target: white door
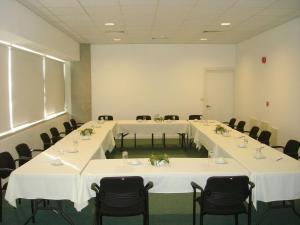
(218,96)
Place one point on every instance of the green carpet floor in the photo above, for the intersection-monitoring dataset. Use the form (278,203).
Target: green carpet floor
(165,209)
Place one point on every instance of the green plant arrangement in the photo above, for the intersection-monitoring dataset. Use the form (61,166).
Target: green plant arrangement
(159,160)
(87,132)
(220,130)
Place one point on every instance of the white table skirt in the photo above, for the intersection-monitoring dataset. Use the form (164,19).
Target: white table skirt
(173,178)
(277,176)
(149,127)
(38,178)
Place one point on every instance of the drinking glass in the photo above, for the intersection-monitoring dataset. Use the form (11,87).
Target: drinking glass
(125,156)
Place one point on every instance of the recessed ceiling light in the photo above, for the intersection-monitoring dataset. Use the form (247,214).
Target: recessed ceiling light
(203,39)
(109,24)
(225,24)
(117,39)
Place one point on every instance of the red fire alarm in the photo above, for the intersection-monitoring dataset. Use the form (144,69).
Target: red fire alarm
(264,59)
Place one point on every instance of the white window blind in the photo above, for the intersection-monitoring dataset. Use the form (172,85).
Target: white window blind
(54,86)
(27,87)
(4,91)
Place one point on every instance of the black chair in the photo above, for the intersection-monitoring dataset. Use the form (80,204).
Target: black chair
(240,126)
(231,123)
(291,148)
(105,117)
(181,135)
(46,140)
(121,196)
(195,117)
(224,195)
(56,135)
(253,132)
(68,128)
(144,117)
(7,165)
(75,124)
(25,153)
(264,137)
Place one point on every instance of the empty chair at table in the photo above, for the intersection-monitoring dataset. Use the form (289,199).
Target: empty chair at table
(231,123)
(264,137)
(47,143)
(240,126)
(291,148)
(7,166)
(56,135)
(105,117)
(121,196)
(195,117)
(144,117)
(253,132)
(224,195)
(181,135)
(75,124)
(68,127)
(25,153)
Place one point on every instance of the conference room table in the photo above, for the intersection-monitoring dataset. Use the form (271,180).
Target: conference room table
(55,173)
(276,176)
(174,177)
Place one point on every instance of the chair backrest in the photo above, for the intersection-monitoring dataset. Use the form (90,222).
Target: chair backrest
(171,117)
(23,151)
(74,124)
(123,195)
(105,117)
(264,137)
(253,132)
(222,192)
(291,148)
(195,117)
(68,128)
(6,161)
(55,134)
(46,140)
(232,122)
(240,126)
(143,117)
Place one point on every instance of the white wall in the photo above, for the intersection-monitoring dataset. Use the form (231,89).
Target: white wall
(277,81)
(128,80)
(19,25)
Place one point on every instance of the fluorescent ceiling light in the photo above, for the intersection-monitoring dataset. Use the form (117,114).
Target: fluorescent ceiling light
(117,39)
(109,24)
(203,39)
(225,24)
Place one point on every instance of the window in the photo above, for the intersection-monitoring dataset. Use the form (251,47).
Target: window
(32,87)
(54,86)
(4,90)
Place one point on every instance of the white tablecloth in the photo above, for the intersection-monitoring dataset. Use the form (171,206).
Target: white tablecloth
(173,178)
(153,127)
(40,179)
(277,176)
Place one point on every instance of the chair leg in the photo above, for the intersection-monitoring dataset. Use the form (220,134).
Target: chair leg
(100,220)
(152,141)
(194,212)
(32,210)
(236,219)
(146,219)
(1,205)
(164,140)
(134,140)
(201,218)
(122,141)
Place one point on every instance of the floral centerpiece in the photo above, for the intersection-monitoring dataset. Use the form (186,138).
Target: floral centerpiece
(87,132)
(159,160)
(220,130)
